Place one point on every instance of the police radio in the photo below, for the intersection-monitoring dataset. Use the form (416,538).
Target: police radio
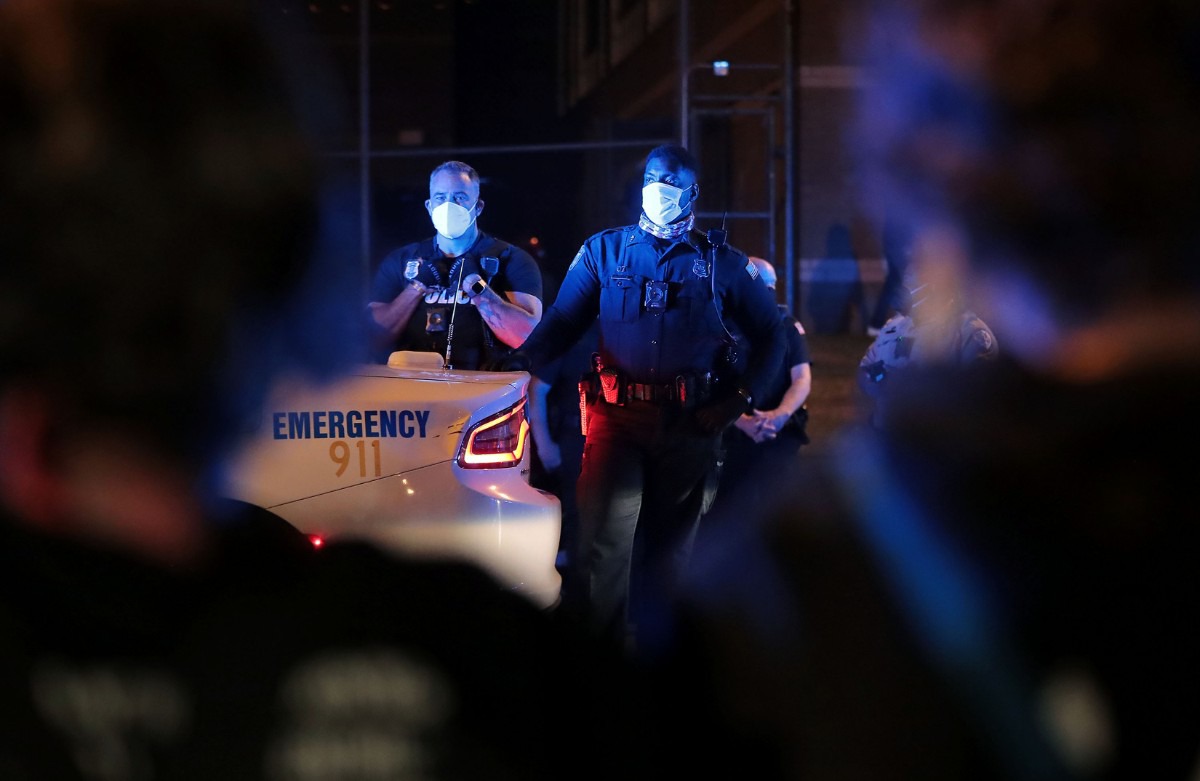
(716,238)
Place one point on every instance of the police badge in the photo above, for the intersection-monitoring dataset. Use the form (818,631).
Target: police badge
(700,267)
(411,269)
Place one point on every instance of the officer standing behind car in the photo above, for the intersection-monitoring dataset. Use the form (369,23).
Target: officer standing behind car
(662,391)
(464,294)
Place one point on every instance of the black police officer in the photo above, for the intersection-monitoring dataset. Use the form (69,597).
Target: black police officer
(662,393)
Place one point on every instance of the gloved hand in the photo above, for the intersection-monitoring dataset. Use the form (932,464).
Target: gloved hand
(719,415)
(515,361)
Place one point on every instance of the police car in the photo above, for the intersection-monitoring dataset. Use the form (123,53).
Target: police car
(412,457)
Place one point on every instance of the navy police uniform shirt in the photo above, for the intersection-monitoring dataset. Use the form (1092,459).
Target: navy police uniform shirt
(657,314)
(797,353)
(504,266)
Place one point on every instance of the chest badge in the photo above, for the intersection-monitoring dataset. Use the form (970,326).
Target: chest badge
(411,268)
(700,268)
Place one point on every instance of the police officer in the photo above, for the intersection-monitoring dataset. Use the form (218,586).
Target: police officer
(662,391)
(462,293)
(762,446)
(936,328)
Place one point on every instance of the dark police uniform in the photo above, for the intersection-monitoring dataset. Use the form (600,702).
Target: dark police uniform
(752,473)
(504,267)
(662,345)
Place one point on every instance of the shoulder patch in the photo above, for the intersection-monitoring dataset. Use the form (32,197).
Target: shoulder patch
(752,270)
(575,260)
(986,342)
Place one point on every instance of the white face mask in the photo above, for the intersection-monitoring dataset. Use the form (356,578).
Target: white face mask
(452,220)
(660,202)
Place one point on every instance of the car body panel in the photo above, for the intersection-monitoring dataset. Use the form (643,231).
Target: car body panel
(380,463)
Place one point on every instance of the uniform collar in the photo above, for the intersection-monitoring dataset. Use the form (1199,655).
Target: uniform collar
(640,236)
(672,232)
(431,250)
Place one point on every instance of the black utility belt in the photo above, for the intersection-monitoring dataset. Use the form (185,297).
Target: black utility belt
(686,390)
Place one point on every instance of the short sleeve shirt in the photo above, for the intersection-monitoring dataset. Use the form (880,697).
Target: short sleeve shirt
(505,267)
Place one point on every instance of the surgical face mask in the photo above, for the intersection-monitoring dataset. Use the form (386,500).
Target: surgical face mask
(452,220)
(660,202)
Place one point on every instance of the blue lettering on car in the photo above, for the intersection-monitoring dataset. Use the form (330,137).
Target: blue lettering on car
(299,426)
(336,429)
(350,424)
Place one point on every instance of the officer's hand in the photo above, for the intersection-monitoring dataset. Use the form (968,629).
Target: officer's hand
(474,286)
(516,361)
(719,415)
(773,422)
(748,425)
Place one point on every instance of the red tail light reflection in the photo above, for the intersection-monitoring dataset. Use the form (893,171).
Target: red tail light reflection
(497,441)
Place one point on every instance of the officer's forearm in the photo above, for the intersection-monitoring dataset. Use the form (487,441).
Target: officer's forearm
(511,322)
(537,411)
(392,316)
(552,337)
(797,393)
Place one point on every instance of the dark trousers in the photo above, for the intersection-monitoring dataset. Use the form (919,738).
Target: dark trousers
(640,493)
(753,475)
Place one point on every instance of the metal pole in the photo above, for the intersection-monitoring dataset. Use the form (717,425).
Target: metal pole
(772,191)
(462,151)
(685,69)
(364,138)
(789,158)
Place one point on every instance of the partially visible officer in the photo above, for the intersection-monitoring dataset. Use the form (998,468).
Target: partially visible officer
(663,389)
(461,293)
(938,328)
(783,408)
(762,446)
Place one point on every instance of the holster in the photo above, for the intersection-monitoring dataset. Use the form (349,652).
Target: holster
(589,389)
(612,385)
(694,389)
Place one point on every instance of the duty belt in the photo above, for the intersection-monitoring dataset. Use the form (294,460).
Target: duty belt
(687,390)
(639,391)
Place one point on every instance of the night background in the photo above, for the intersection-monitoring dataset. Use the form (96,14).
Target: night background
(557,103)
